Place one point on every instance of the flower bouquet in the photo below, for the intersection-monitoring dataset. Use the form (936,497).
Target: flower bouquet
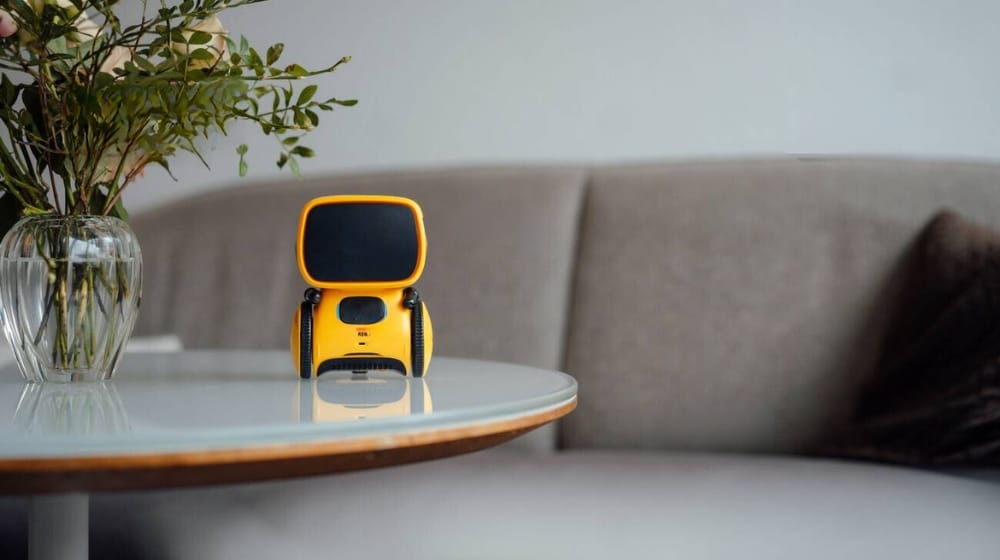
(87,101)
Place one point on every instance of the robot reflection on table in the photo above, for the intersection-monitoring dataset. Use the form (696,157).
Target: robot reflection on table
(361,255)
(340,396)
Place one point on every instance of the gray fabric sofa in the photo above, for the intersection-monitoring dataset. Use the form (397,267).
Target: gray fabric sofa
(720,318)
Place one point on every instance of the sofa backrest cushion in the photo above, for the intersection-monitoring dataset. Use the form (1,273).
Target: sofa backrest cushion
(220,269)
(738,305)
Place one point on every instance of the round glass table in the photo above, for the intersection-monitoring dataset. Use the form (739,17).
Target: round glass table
(222,417)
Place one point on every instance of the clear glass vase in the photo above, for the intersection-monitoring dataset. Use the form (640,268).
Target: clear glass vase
(70,288)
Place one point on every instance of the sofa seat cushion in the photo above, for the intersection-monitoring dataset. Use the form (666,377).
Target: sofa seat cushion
(578,505)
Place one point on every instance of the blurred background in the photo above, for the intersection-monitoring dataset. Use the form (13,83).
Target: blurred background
(450,82)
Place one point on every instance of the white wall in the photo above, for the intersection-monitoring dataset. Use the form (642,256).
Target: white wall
(445,82)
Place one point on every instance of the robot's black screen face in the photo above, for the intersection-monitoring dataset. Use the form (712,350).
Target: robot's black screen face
(360,242)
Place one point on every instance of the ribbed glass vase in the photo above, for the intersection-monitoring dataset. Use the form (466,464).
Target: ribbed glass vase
(70,288)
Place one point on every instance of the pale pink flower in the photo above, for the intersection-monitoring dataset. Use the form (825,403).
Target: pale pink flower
(7,25)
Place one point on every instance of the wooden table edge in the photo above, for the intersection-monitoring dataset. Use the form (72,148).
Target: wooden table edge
(117,472)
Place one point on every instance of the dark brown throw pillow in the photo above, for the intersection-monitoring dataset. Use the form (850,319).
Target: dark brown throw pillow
(935,397)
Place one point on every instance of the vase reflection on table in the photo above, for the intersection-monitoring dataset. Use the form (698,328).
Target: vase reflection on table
(70,288)
(78,409)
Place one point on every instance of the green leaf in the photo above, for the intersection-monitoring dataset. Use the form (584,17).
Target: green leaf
(254,60)
(202,54)
(274,53)
(57,46)
(303,151)
(296,71)
(307,94)
(313,118)
(163,163)
(143,63)
(242,149)
(199,38)
(301,120)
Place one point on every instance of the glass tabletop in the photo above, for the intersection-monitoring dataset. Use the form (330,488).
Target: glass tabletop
(211,400)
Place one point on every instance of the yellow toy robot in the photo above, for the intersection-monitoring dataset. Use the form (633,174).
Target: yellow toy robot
(361,255)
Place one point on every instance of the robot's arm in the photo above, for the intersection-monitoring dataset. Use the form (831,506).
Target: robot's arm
(411,300)
(310,299)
